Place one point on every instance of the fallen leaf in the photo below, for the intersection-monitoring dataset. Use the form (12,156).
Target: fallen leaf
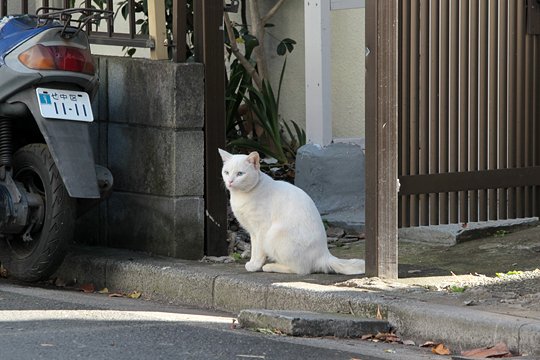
(440,349)
(387,337)
(104,291)
(409,342)
(367,336)
(498,351)
(390,351)
(116,295)
(88,288)
(429,344)
(135,295)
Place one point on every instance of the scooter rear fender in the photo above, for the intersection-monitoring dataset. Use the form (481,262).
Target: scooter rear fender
(70,147)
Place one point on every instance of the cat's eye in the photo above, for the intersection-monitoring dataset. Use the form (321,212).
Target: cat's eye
(240,173)
(226,172)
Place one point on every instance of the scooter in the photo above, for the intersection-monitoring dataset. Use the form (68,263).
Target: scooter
(48,176)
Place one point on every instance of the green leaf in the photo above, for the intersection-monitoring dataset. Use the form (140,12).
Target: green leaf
(125,10)
(250,43)
(281,49)
(286,45)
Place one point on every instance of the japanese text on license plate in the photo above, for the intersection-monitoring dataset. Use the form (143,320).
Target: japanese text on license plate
(64,104)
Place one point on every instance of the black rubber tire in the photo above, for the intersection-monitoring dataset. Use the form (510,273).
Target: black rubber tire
(37,259)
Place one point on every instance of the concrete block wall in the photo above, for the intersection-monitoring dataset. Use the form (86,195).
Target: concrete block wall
(149,133)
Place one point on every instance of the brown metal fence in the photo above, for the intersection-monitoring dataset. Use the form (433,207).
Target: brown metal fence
(469,112)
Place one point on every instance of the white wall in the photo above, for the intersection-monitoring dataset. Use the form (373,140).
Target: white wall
(348,66)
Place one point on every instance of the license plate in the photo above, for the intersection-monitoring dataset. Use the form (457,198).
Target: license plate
(64,104)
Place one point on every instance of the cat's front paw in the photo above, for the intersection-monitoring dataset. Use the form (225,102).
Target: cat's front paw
(253,266)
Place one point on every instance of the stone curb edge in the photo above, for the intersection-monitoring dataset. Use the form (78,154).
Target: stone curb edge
(221,288)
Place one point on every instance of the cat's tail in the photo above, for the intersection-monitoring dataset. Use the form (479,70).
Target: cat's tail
(346,266)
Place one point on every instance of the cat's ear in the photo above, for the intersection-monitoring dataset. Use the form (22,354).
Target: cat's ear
(253,158)
(225,156)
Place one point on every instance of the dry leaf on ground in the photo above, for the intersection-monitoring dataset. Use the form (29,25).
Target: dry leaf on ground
(104,291)
(116,295)
(436,348)
(440,349)
(498,351)
(382,337)
(135,295)
(88,288)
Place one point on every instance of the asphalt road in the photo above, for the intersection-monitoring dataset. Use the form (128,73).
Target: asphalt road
(47,323)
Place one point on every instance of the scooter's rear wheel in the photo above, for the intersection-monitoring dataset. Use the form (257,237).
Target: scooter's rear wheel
(38,256)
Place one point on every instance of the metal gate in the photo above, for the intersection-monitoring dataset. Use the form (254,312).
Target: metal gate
(469,110)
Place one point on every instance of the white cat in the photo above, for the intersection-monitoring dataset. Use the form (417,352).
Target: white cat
(282,220)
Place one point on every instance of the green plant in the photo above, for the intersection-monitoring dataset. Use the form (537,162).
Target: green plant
(509,273)
(253,119)
(457,289)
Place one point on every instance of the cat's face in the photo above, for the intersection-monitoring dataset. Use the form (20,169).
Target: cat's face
(240,172)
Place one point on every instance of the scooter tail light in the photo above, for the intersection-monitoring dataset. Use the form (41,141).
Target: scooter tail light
(65,58)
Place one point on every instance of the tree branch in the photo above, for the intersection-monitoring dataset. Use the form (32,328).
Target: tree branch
(272,12)
(238,54)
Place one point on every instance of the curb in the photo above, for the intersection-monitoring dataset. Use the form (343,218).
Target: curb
(307,323)
(228,287)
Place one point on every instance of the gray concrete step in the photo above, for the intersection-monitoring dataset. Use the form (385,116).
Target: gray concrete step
(308,323)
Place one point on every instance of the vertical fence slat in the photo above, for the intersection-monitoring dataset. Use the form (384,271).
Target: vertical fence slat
(492,102)
(473,103)
(110,22)
(529,84)
(536,124)
(454,103)
(520,85)
(406,138)
(131,17)
(502,98)
(444,108)
(483,106)
(3,8)
(424,106)
(413,93)
(434,105)
(463,104)
(405,106)
(512,119)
